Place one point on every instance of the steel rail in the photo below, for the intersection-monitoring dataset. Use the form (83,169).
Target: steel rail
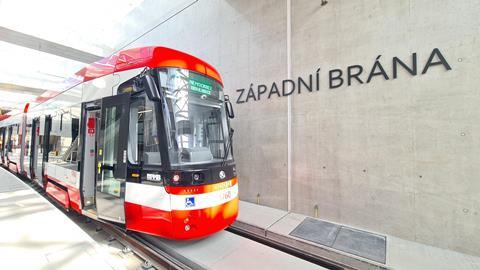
(147,250)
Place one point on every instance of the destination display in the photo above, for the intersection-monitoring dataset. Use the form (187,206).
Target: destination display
(203,85)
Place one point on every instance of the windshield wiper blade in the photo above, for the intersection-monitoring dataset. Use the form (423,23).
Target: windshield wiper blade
(227,151)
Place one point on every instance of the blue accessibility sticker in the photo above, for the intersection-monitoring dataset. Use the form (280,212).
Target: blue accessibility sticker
(190,202)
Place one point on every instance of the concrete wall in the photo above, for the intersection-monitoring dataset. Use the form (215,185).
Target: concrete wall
(394,156)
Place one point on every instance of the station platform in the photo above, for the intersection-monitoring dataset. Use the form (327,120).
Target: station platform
(36,235)
(349,246)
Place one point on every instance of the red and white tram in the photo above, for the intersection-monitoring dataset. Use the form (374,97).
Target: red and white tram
(141,139)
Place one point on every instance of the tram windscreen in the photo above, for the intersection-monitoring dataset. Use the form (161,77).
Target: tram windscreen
(196,121)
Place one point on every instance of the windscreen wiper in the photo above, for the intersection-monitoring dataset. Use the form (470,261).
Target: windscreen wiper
(227,152)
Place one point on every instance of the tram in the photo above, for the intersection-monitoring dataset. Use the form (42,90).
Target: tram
(141,139)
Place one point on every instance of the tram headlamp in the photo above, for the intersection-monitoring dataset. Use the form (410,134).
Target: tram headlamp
(197,177)
(187,227)
(176,178)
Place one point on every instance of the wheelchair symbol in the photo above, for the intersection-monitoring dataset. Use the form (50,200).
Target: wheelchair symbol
(190,202)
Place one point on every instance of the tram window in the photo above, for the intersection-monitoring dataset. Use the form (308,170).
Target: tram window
(110,129)
(1,139)
(28,137)
(55,138)
(4,140)
(15,140)
(151,151)
(195,118)
(71,155)
(63,141)
(143,142)
(9,140)
(136,125)
(70,139)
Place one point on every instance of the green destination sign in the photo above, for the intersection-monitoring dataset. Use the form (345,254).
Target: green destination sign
(200,84)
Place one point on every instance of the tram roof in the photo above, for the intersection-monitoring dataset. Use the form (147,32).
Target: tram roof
(147,57)
(152,56)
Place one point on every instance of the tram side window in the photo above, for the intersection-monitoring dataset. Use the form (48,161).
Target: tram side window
(64,136)
(73,117)
(40,141)
(8,148)
(15,141)
(5,141)
(143,143)
(55,137)
(28,138)
(2,141)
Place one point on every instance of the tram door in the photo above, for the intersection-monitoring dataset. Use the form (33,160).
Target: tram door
(91,121)
(2,145)
(37,152)
(112,158)
(34,145)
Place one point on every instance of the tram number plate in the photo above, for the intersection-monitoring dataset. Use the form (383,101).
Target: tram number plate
(154,177)
(226,195)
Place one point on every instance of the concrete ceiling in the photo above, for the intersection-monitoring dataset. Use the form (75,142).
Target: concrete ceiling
(42,45)
(21,94)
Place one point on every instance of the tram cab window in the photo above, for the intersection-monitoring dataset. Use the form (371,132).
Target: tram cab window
(136,124)
(195,118)
(143,143)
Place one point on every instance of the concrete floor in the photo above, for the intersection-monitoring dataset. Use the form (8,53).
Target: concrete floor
(225,250)
(112,249)
(36,235)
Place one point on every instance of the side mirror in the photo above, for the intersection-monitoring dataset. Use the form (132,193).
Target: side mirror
(229,107)
(147,83)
